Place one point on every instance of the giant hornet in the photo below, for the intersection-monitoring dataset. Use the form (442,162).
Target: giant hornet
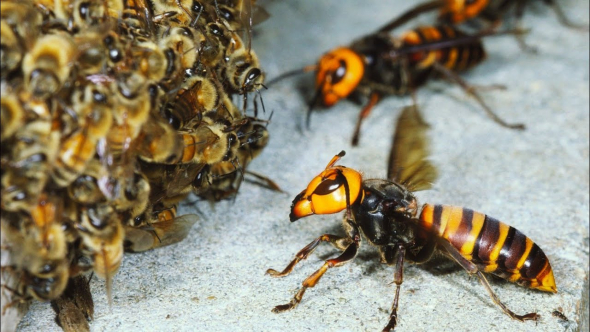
(385,211)
(491,11)
(458,11)
(378,65)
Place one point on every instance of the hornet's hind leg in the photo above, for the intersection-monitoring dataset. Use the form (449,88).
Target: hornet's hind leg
(471,91)
(472,269)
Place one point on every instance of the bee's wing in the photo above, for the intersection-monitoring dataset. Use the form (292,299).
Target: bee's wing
(138,240)
(158,234)
(174,231)
(408,164)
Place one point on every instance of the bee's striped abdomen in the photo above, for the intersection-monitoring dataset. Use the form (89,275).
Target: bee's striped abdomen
(492,245)
(458,57)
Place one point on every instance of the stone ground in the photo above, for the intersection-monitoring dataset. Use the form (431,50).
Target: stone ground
(536,180)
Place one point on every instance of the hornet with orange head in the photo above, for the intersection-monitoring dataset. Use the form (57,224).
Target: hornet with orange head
(387,213)
(379,65)
(459,11)
(492,12)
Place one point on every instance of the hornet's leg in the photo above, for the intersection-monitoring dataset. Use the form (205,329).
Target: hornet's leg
(398,278)
(563,19)
(472,269)
(471,91)
(374,99)
(340,242)
(313,279)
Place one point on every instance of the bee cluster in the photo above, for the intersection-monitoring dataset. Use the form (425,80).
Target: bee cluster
(113,111)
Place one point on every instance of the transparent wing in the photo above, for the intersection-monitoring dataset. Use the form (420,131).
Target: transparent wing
(408,164)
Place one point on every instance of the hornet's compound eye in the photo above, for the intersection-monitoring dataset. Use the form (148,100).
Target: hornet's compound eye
(339,73)
(327,187)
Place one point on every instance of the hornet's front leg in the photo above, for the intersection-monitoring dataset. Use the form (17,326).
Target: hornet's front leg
(340,242)
(314,278)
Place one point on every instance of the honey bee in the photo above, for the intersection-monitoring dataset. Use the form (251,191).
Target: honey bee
(386,213)
(210,144)
(378,65)
(133,197)
(181,41)
(212,45)
(24,21)
(242,15)
(47,65)
(179,12)
(12,52)
(38,248)
(150,60)
(158,142)
(242,68)
(44,288)
(227,176)
(92,109)
(33,149)
(85,189)
(102,236)
(131,110)
(12,114)
(83,14)
(196,96)
(172,183)
(163,230)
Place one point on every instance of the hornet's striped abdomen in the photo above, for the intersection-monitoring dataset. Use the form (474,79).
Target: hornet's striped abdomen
(458,57)
(492,245)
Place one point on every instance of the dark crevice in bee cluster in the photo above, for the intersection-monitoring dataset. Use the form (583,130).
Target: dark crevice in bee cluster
(112,113)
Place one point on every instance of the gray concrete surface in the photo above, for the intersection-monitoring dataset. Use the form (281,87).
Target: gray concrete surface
(537,181)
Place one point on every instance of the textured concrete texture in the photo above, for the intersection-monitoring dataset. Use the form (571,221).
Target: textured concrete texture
(536,180)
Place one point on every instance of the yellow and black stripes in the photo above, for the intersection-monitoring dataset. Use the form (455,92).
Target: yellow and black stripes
(456,57)
(493,246)
(457,11)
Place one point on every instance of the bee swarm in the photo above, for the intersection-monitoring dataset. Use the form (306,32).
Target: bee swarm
(112,113)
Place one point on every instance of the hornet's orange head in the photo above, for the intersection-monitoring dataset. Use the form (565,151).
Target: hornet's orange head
(338,74)
(333,190)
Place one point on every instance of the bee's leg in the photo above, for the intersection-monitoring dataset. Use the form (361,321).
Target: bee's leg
(264,181)
(472,269)
(563,18)
(374,99)
(398,278)
(313,279)
(340,242)
(9,268)
(12,290)
(471,91)
(20,298)
(244,102)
